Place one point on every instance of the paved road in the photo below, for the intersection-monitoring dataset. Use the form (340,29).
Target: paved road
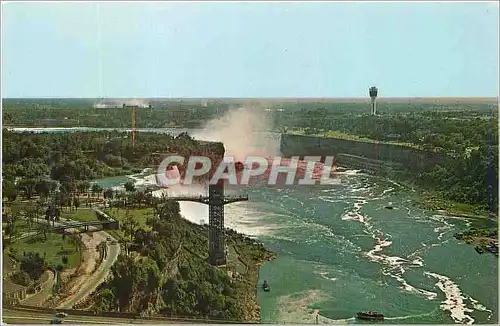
(96,278)
(28,317)
(39,298)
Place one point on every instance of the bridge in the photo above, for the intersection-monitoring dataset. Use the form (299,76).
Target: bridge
(215,201)
(104,220)
(106,225)
(206,200)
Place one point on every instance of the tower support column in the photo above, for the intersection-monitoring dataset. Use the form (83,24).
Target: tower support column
(373,91)
(374,106)
(217,256)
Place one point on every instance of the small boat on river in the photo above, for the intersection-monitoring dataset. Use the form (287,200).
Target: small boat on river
(370,315)
(265,286)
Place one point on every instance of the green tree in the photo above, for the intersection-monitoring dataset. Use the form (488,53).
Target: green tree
(129,186)
(97,189)
(28,186)
(76,202)
(9,190)
(33,264)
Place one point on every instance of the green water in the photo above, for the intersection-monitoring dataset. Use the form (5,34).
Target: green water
(327,237)
(323,237)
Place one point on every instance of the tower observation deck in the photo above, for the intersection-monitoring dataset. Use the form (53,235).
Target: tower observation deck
(215,201)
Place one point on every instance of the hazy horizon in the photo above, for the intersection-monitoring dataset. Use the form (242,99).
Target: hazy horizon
(461,98)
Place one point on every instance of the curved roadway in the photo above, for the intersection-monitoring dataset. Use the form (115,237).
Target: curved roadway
(96,278)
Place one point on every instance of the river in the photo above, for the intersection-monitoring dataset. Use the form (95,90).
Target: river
(341,251)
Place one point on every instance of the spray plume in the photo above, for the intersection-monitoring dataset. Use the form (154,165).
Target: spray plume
(244,132)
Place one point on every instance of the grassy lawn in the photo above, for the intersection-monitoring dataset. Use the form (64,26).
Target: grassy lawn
(140,215)
(54,248)
(82,215)
(21,226)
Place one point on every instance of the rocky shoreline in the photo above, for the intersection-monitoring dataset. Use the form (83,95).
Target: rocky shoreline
(483,240)
(256,317)
(252,254)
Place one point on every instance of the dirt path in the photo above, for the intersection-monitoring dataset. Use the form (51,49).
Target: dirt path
(87,269)
(88,275)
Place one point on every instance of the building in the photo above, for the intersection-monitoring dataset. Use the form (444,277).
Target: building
(102,104)
(12,293)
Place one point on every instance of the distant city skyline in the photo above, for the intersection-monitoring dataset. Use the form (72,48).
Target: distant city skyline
(249,50)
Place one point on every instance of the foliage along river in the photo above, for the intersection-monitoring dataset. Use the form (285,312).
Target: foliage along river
(340,251)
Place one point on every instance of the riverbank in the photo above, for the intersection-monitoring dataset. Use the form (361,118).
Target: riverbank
(252,255)
(483,233)
(174,251)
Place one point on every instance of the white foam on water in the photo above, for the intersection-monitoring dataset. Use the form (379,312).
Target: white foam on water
(409,316)
(409,288)
(359,189)
(294,308)
(238,216)
(143,180)
(386,191)
(480,307)
(242,218)
(325,276)
(395,183)
(348,172)
(443,217)
(454,302)
(354,214)
(396,266)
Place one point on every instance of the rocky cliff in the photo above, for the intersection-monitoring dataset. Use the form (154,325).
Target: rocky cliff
(359,154)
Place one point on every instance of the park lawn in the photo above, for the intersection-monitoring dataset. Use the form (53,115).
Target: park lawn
(81,215)
(140,215)
(21,226)
(54,249)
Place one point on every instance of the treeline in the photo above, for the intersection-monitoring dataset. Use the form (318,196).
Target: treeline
(65,113)
(468,135)
(33,163)
(167,273)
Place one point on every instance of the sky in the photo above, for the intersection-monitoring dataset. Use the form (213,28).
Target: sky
(167,49)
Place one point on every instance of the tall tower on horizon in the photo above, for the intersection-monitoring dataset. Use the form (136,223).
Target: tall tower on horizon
(373,95)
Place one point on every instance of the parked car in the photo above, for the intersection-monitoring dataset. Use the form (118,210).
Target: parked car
(61,314)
